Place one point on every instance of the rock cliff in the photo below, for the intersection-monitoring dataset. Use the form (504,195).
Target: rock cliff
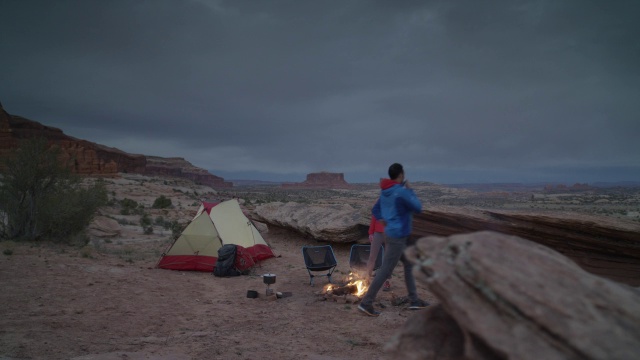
(601,246)
(321,180)
(503,297)
(87,158)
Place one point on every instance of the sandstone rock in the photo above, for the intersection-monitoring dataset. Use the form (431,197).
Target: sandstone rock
(103,226)
(335,223)
(322,180)
(606,248)
(446,339)
(515,299)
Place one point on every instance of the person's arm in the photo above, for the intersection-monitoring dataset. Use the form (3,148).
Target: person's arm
(411,200)
(376,212)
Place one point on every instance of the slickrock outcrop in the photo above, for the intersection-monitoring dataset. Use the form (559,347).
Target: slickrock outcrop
(503,297)
(87,158)
(599,245)
(321,180)
(335,223)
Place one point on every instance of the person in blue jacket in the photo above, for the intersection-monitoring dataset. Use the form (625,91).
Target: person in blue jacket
(395,209)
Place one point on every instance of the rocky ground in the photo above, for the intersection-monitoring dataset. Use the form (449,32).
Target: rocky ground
(107,301)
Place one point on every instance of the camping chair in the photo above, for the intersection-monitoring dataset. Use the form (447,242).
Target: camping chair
(359,256)
(319,258)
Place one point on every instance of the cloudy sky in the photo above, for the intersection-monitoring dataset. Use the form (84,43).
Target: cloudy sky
(456,91)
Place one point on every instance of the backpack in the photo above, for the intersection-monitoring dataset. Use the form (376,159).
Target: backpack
(225,266)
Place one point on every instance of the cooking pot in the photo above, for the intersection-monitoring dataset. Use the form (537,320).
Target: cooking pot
(252,294)
(269,279)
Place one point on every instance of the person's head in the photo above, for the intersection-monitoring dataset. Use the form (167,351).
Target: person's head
(396,172)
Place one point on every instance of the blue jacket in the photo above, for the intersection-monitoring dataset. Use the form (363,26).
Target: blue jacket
(396,206)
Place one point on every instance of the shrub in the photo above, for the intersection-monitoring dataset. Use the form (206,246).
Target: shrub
(145,220)
(41,199)
(128,206)
(176,229)
(162,202)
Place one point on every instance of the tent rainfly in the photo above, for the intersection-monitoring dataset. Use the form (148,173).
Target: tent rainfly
(214,225)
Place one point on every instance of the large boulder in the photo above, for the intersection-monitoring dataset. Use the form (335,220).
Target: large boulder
(335,223)
(503,297)
(103,226)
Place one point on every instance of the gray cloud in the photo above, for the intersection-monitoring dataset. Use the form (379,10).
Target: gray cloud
(458,91)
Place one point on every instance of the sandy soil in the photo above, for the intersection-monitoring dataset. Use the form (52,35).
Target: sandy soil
(61,302)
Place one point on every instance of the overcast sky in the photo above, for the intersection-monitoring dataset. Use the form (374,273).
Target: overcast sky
(456,91)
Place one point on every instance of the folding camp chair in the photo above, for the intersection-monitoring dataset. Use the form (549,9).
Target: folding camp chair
(359,256)
(319,258)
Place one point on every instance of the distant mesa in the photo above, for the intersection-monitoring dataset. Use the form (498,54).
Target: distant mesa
(321,180)
(87,158)
(562,187)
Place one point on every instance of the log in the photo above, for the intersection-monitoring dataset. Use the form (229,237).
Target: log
(344,290)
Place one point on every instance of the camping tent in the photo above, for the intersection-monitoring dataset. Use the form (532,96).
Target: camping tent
(214,225)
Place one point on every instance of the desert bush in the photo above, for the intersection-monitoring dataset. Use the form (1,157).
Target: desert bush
(128,206)
(145,220)
(161,202)
(176,229)
(41,199)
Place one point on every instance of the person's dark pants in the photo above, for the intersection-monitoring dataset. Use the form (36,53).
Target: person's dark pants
(394,252)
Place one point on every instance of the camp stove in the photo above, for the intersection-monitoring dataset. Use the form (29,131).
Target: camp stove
(269,279)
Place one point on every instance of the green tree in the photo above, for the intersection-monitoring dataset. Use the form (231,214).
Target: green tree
(41,199)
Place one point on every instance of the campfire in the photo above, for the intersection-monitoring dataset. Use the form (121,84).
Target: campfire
(355,285)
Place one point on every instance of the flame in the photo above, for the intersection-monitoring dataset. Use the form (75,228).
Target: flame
(362,287)
(353,279)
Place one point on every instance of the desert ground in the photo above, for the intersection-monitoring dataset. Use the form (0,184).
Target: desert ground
(106,300)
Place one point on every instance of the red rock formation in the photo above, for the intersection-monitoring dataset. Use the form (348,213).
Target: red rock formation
(88,158)
(321,180)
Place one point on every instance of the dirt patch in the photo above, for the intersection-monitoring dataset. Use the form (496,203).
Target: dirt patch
(102,304)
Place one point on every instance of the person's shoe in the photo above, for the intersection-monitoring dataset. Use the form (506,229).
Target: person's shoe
(386,286)
(418,304)
(369,310)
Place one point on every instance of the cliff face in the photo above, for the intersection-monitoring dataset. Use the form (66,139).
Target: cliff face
(87,158)
(322,180)
(611,250)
